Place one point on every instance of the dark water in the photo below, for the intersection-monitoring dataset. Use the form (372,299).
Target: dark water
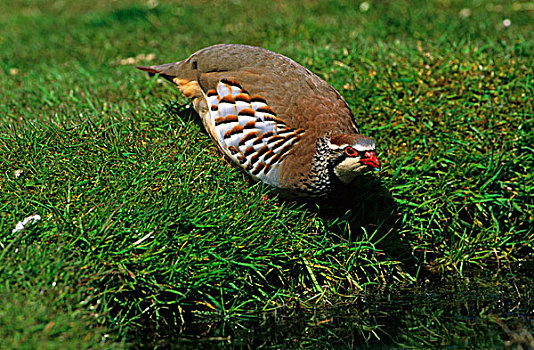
(486,310)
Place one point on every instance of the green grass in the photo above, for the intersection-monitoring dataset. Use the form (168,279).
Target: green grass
(145,226)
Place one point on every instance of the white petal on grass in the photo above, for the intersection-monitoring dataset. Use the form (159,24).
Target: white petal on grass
(465,12)
(506,22)
(364,6)
(21,225)
(17,173)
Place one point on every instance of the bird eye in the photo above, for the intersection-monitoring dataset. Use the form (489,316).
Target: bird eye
(351,152)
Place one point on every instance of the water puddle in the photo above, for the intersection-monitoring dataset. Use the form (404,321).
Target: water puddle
(486,310)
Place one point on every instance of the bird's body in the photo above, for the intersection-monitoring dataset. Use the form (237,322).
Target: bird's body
(273,118)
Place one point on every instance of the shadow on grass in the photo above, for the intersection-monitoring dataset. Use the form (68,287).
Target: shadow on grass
(365,210)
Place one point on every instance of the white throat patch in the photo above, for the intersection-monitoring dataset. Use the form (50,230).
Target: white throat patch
(348,169)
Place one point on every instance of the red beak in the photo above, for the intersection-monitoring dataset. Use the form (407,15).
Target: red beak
(371,160)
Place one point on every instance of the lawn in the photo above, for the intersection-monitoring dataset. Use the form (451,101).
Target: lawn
(144,227)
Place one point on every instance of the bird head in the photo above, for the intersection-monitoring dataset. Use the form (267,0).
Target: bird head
(352,155)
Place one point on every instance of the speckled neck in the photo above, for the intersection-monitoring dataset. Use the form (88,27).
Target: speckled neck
(319,180)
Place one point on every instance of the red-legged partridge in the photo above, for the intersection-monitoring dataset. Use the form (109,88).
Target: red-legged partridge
(273,118)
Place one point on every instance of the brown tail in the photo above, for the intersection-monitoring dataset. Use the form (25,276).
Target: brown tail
(147,69)
(152,70)
(189,87)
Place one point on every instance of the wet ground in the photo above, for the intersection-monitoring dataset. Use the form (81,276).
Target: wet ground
(486,310)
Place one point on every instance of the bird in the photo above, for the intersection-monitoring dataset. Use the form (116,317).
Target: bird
(273,118)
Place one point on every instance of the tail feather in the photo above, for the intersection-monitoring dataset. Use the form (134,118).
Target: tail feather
(148,69)
(162,70)
(174,72)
